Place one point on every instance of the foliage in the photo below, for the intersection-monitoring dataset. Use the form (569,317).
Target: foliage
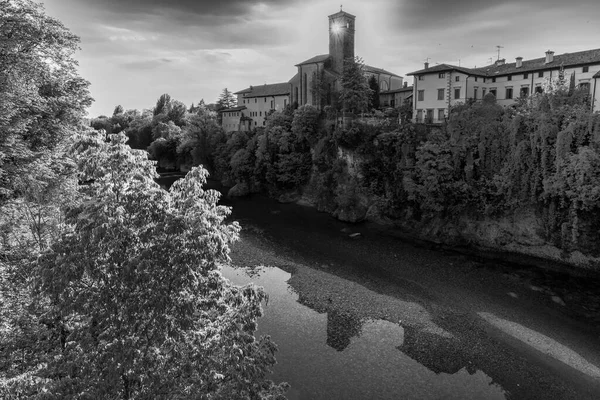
(226,100)
(130,300)
(374,86)
(42,98)
(306,123)
(355,92)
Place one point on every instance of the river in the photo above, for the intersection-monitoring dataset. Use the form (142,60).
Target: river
(371,317)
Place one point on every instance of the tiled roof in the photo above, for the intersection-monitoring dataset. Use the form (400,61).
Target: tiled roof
(565,60)
(406,89)
(232,109)
(376,70)
(315,59)
(340,13)
(295,78)
(537,64)
(275,89)
(443,68)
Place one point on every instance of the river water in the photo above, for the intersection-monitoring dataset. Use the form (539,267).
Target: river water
(369,317)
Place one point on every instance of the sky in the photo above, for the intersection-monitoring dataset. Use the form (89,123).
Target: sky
(133,51)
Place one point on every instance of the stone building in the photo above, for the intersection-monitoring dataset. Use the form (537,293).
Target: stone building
(326,70)
(436,89)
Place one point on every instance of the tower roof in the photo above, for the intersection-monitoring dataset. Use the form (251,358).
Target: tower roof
(342,13)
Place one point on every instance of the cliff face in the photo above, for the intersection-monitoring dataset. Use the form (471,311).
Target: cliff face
(522,236)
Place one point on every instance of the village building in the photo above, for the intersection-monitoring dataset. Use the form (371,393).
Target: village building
(317,80)
(436,89)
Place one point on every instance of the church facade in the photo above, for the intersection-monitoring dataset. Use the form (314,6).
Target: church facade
(319,77)
(317,81)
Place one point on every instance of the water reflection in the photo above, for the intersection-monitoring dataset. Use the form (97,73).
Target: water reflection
(330,352)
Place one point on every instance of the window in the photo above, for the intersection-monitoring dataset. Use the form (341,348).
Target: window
(263,123)
(456,93)
(440,94)
(457,78)
(475,79)
(421,77)
(509,93)
(585,87)
(509,78)
(420,95)
(525,76)
(585,69)
(429,116)
(538,89)
(493,91)
(475,90)
(442,75)
(285,102)
(493,80)
(271,104)
(483,90)
(441,114)
(255,123)
(265,99)
(541,74)
(255,100)
(419,116)
(524,92)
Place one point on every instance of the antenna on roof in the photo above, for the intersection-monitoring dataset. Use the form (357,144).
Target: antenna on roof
(459,62)
(499,47)
(340,8)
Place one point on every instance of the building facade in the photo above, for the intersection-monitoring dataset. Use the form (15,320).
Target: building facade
(319,77)
(316,82)
(254,104)
(436,89)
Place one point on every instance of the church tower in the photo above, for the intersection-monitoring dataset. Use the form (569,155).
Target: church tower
(341,39)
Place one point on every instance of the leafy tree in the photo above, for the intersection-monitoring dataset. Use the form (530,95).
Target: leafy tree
(118,110)
(133,302)
(374,86)
(355,93)
(226,100)
(162,105)
(42,98)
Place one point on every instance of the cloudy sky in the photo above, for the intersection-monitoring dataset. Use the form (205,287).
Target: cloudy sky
(135,50)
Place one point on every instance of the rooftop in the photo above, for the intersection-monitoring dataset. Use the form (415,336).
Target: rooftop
(404,89)
(376,70)
(275,89)
(565,60)
(315,59)
(238,108)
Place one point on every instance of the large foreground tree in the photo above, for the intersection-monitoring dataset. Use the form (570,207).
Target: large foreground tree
(130,296)
(42,98)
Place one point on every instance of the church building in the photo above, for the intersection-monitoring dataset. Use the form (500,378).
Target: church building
(316,83)
(326,70)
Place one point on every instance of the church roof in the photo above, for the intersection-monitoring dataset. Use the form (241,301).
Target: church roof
(315,59)
(376,70)
(340,13)
(275,89)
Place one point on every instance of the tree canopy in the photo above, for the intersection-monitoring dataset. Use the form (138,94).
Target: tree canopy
(355,93)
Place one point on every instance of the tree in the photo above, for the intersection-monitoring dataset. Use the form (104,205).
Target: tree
(374,86)
(134,304)
(226,100)
(42,98)
(355,93)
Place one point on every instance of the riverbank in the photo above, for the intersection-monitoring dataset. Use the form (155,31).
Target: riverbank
(445,306)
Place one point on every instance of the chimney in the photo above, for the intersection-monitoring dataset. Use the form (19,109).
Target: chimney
(405,84)
(519,62)
(426,65)
(549,56)
(500,61)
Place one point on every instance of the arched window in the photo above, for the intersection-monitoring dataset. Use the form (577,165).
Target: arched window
(384,86)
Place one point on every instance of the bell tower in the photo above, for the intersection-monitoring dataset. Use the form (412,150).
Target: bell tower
(341,39)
